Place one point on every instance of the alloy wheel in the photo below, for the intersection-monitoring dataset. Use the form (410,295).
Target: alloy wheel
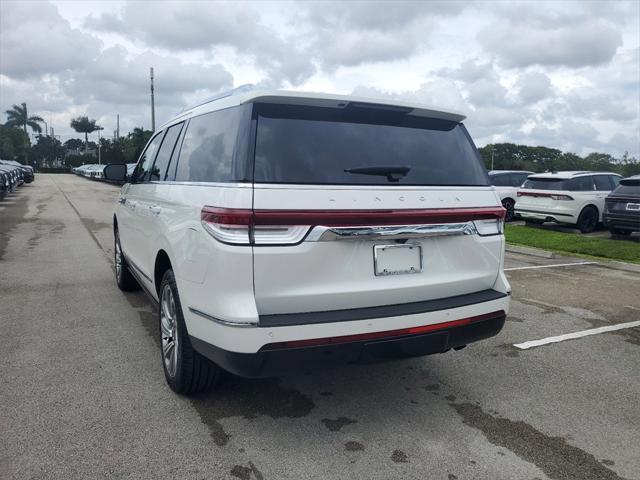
(169,331)
(118,258)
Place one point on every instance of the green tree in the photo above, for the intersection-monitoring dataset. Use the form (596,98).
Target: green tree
(73,144)
(18,116)
(12,143)
(86,126)
(46,151)
(111,151)
(509,156)
(134,143)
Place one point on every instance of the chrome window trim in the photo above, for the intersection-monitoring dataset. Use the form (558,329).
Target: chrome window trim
(203,184)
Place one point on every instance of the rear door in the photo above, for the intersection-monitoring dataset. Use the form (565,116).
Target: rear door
(134,215)
(358,208)
(603,188)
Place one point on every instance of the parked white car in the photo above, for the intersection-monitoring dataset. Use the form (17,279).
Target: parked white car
(506,183)
(282,230)
(574,198)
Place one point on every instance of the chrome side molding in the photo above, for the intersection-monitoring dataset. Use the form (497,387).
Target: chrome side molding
(226,323)
(327,234)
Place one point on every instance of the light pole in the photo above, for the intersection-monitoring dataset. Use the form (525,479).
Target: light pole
(153,106)
(99,145)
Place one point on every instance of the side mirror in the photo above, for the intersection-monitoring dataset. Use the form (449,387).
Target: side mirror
(116,172)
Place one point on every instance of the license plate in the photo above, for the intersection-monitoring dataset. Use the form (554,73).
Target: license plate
(397,259)
(633,206)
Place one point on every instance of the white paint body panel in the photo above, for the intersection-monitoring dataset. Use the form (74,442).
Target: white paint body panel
(238,283)
(319,276)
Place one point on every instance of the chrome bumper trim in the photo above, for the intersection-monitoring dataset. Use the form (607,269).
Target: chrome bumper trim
(327,234)
(226,323)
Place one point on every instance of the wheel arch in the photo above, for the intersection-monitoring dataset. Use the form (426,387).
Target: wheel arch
(161,265)
(591,205)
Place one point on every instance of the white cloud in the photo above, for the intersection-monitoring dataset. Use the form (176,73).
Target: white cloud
(520,44)
(564,74)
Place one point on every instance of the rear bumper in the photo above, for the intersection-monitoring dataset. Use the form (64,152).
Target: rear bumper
(624,221)
(546,215)
(280,359)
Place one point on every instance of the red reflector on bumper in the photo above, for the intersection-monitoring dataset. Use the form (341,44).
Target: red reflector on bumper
(314,342)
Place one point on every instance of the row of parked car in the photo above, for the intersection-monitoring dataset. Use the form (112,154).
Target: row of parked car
(12,175)
(96,171)
(582,199)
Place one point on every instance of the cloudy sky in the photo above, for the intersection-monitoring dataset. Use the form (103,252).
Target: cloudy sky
(553,73)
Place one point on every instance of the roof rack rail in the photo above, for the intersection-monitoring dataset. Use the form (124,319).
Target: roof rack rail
(247,87)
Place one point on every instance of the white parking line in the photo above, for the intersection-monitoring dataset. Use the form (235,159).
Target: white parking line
(571,336)
(550,266)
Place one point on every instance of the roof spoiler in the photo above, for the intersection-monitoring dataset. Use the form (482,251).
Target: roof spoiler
(247,87)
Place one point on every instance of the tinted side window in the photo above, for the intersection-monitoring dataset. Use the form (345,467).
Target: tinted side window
(146,160)
(502,180)
(208,147)
(581,184)
(615,181)
(518,178)
(602,182)
(164,154)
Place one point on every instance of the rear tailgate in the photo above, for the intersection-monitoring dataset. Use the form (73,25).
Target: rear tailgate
(382,203)
(324,273)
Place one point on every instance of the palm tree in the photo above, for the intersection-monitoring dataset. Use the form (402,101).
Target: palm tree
(86,126)
(18,117)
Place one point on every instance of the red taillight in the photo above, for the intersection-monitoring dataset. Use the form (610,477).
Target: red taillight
(553,196)
(315,342)
(288,227)
(351,218)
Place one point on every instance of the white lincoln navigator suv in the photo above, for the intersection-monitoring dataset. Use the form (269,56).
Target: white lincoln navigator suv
(574,198)
(281,230)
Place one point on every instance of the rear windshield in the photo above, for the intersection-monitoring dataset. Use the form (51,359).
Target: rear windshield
(546,184)
(312,145)
(628,186)
(634,181)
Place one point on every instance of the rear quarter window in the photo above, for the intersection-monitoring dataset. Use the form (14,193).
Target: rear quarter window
(211,150)
(602,182)
(581,184)
(500,180)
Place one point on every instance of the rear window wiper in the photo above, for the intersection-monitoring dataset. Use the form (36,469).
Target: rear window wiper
(392,172)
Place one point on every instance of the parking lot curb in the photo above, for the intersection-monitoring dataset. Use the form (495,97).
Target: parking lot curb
(535,252)
(628,267)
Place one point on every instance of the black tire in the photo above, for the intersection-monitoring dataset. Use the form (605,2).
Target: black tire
(124,278)
(533,223)
(588,219)
(186,372)
(509,206)
(620,231)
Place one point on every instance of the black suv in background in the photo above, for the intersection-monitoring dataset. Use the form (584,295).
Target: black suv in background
(27,171)
(622,207)
(16,176)
(5,184)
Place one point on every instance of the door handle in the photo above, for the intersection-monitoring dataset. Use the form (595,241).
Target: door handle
(122,200)
(155,209)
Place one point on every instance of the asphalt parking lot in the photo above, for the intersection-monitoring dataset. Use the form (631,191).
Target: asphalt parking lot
(83,393)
